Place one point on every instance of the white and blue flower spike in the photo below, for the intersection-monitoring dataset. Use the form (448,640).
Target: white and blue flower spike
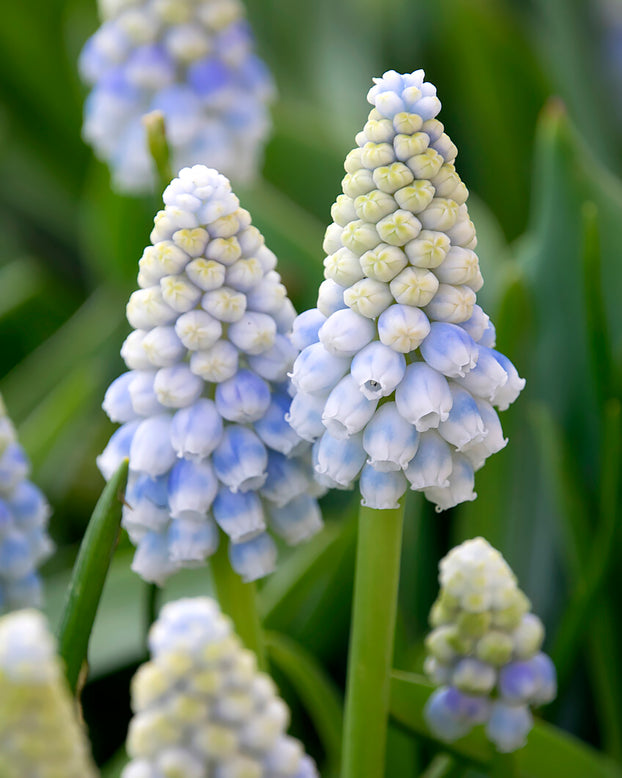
(484,651)
(40,732)
(24,514)
(396,319)
(205,400)
(201,707)
(193,61)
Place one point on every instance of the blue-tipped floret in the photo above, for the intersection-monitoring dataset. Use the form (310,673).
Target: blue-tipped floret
(396,323)
(484,651)
(206,396)
(192,60)
(24,514)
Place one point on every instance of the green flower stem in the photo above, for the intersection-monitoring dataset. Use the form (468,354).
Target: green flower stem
(239,601)
(442,766)
(155,127)
(89,575)
(503,766)
(371,642)
(152,602)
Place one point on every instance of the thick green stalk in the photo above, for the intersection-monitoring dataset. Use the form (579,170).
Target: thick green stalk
(89,575)
(503,766)
(371,642)
(239,601)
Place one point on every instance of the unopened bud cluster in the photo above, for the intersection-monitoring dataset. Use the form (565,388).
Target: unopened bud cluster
(24,513)
(398,378)
(40,735)
(202,710)
(484,651)
(192,60)
(203,403)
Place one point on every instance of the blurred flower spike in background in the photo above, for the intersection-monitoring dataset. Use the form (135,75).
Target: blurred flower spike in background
(202,709)
(191,59)
(40,732)
(484,651)
(204,401)
(398,374)
(24,513)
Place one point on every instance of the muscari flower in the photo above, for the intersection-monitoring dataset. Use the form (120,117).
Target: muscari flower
(192,60)
(398,378)
(40,733)
(204,400)
(202,709)
(24,513)
(484,651)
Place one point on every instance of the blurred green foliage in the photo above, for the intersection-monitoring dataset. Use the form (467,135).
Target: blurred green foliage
(527,99)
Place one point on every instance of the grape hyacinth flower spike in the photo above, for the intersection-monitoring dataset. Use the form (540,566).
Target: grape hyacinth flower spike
(484,651)
(24,514)
(192,60)
(398,379)
(40,732)
(204,400)
(201,708)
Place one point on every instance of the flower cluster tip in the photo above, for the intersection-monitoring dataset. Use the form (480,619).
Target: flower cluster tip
(484,651)
(398,379)
(204,402)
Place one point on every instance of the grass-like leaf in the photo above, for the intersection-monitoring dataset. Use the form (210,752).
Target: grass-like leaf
(89,575)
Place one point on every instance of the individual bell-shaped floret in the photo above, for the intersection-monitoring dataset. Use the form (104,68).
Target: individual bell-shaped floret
(484,652)
(41,735)
(201,707)
(206,396)
(397,350)
(24,514)
(192,60)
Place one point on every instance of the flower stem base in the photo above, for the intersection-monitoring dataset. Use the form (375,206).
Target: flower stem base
(239,601)
(371,642)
